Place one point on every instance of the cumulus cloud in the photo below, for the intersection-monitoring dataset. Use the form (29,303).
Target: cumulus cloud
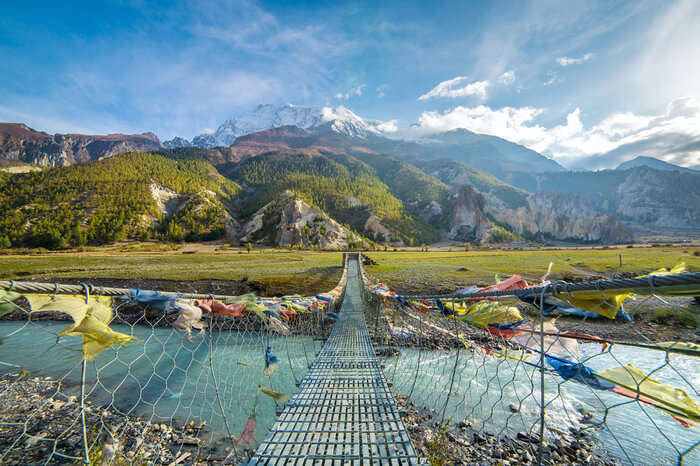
(566,61)
(457,87)
(673,135)
(355,91)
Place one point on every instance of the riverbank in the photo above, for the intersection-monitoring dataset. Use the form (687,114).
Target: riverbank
(40,425)
(462,444)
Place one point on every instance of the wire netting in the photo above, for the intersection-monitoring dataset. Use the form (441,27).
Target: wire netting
(169,395)
(559,389)
(207,387)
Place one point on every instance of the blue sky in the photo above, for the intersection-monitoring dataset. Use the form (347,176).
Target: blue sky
(582,82)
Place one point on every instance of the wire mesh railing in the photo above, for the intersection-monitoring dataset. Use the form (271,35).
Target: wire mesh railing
(121,376)
(533,374)
(115,376)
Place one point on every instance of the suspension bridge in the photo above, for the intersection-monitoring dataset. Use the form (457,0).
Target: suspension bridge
(173,378)
(344,410)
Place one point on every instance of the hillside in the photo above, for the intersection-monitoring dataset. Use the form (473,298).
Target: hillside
(133,195)
(326,169)
(289,221)
(486,153)
(21,143)
(423,195)
(455,173)
(408,192)
(339,184)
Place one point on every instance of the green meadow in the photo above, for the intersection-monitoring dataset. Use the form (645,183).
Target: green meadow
(314,271)
(444,270)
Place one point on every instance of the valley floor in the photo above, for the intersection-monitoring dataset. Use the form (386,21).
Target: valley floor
(216,268)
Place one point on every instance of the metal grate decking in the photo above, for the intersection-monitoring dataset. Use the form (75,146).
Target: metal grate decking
(343,412)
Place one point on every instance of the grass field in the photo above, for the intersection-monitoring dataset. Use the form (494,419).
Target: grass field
(310,271)
(439,271)
(287,271)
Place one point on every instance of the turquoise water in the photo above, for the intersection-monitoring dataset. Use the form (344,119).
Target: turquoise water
(164,375)
(485,387)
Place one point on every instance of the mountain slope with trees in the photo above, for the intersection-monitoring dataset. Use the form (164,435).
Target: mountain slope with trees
(339,184)
(113,199)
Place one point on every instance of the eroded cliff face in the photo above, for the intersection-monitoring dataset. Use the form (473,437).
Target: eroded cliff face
(650,198)
(290,221)
(22,143)
(467,220)
(563,217)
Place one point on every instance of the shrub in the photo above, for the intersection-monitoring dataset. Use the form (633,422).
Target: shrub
(688,320)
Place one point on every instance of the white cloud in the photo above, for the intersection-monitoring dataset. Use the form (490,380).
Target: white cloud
(507,78)
(355,91)
(566,61)
(672,135)
(381,90)
(457,87)
(387,126)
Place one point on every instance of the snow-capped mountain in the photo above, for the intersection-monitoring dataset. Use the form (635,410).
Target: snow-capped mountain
(176,142)
(267,116)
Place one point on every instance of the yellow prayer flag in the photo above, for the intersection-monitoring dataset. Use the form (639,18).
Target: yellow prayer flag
(602,304)
(673,400)
(90,320)
(281,397)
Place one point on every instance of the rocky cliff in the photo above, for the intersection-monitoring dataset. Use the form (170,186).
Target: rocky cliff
(288,220)
(467,220)
(563,217)
(22,143)
(554,215)
(644,198)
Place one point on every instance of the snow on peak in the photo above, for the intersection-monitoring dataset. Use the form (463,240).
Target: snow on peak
(267,116)
(344,121)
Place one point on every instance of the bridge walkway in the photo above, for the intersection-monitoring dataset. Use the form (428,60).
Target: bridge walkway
(343,412)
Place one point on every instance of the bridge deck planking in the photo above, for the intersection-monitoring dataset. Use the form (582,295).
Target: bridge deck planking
(343,412)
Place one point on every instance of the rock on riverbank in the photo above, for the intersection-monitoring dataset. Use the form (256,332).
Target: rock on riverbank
(463,444)
(41,425)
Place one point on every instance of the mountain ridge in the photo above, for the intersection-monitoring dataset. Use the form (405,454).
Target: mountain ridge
(653,162)
(21,143)
(420,181)
(268,116)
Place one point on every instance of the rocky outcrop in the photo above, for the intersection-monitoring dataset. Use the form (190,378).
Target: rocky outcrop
(169,203)
(379,232)
(645,199)
(290,221)
(468,221)
(552,215)
(432,210)
(658,199)
(22,143)
(562,217)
